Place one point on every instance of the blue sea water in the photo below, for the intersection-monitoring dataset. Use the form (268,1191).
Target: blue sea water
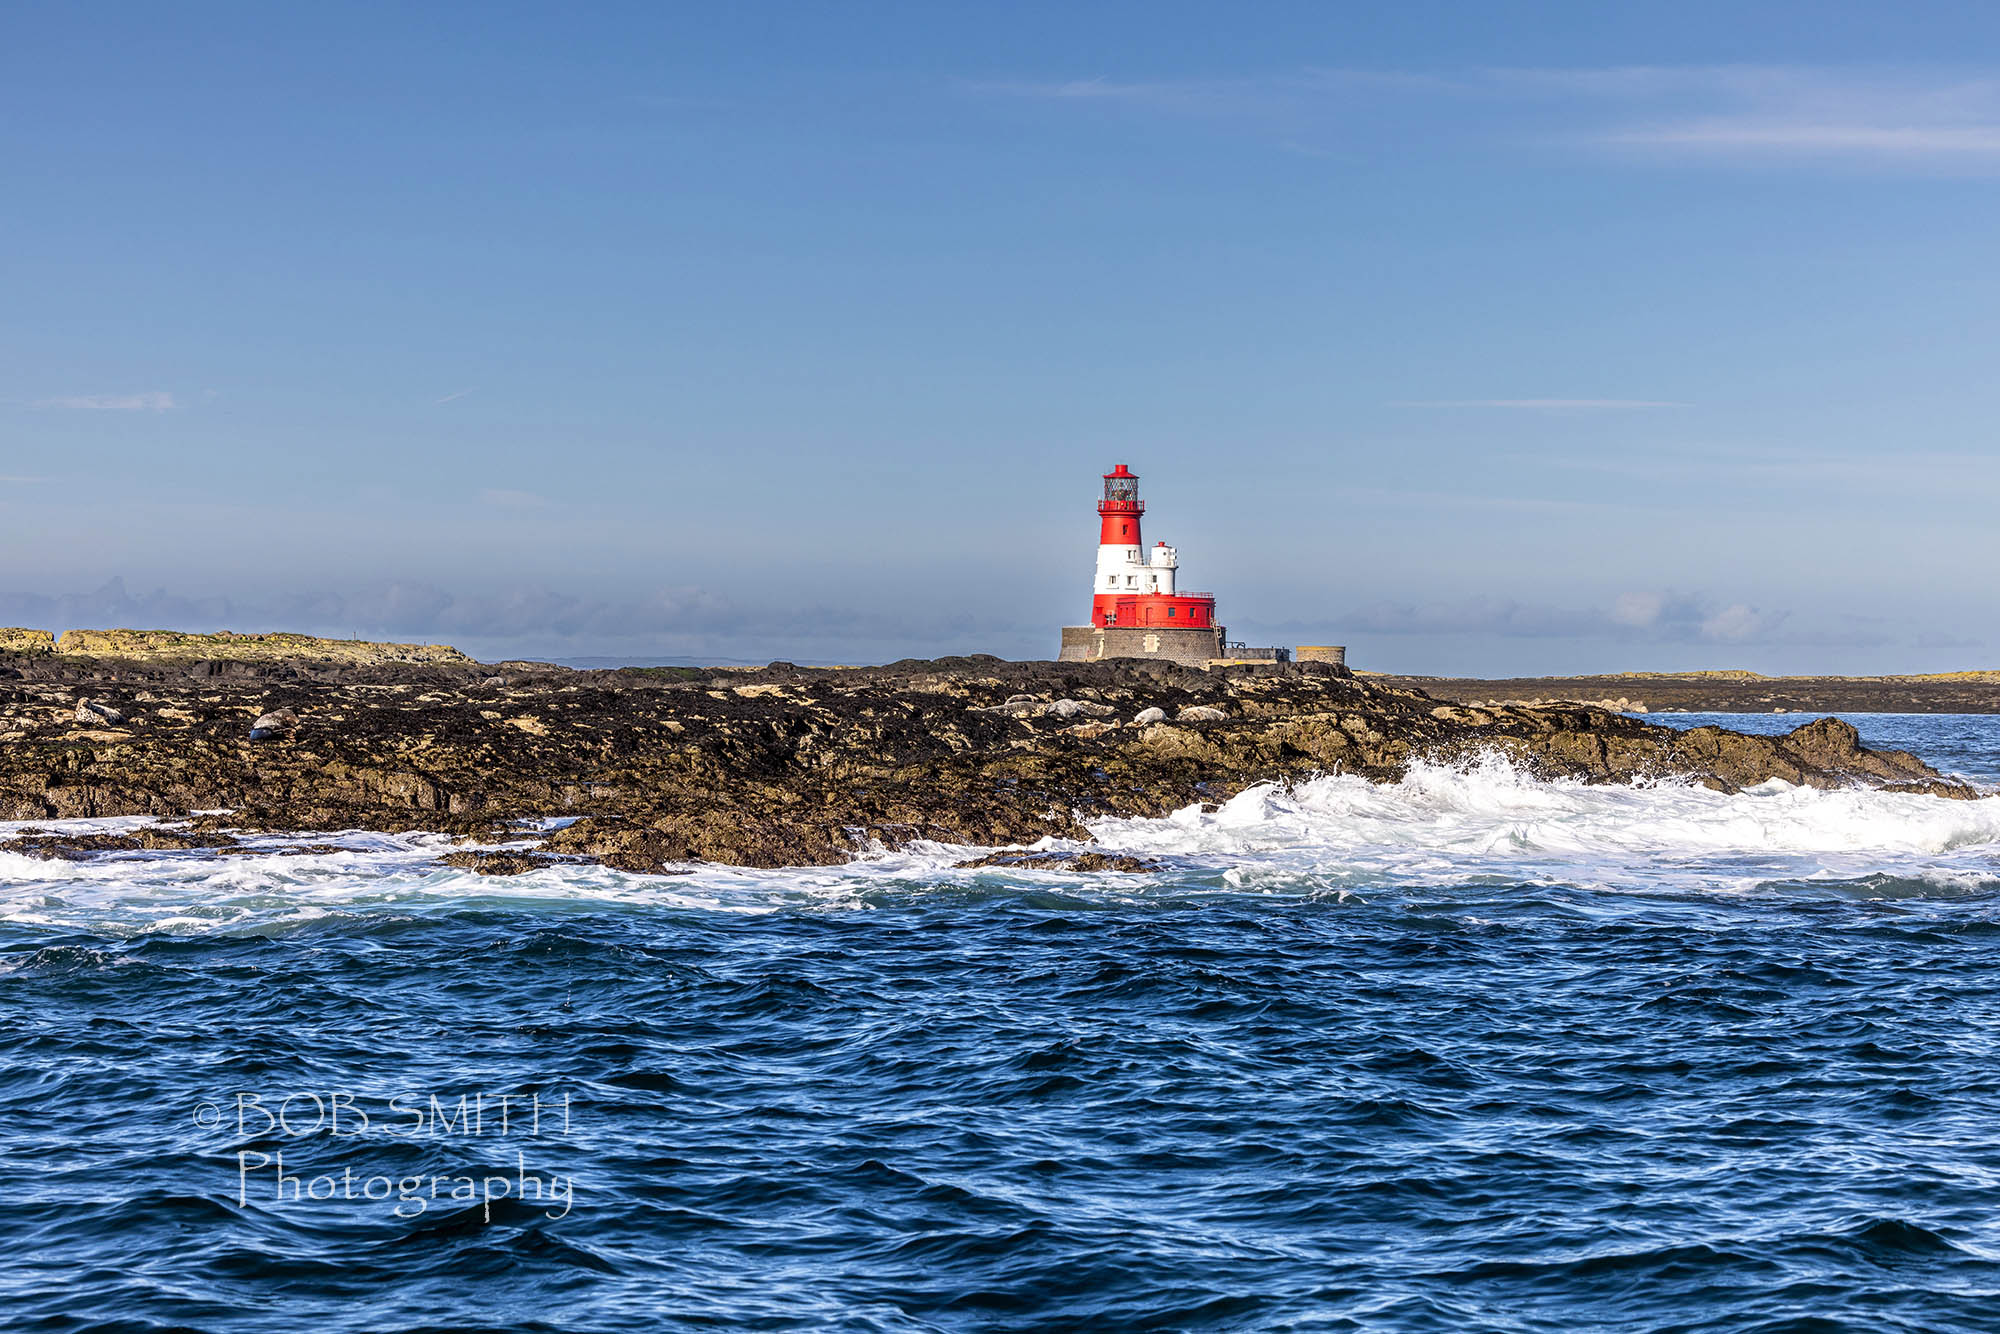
(1470,1052)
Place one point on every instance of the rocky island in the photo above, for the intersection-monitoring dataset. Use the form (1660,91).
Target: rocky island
(779,766)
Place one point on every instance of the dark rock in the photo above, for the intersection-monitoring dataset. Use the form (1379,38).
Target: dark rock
(1064,861)
(79,847)
(801,766)
(285,850)
(500,863)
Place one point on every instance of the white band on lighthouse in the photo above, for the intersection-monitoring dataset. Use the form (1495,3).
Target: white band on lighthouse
(1124,568)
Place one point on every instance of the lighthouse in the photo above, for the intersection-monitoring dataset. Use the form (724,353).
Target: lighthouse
(1136,610)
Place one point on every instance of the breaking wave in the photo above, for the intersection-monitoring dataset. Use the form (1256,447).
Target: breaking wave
(1490,819)
(1480,824)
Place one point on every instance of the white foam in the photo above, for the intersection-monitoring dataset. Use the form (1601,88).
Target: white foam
(1490,819)
(1486,823)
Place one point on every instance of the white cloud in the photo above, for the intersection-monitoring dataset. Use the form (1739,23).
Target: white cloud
(1773,112)
(1636,617)
(1740,623)
(1548,404)
(1880,115)
(450,398)
(154,401)
(1872,140)
(1637,609)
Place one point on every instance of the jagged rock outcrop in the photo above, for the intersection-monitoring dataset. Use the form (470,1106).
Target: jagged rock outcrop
(13,639)
(787,766)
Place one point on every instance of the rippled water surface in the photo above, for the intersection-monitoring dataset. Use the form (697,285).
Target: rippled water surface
(1469,1052)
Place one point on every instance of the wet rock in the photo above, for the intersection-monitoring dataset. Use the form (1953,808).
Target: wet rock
(80,847)
(665,848)
(284,850)
(1080,862)
(500,863)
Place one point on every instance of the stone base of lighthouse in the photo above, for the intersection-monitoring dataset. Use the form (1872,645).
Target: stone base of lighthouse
(1093,643)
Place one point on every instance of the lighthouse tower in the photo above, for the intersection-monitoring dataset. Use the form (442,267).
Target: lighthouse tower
(1135,609)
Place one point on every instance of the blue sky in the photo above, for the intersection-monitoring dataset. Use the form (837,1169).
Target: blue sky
(1481,338)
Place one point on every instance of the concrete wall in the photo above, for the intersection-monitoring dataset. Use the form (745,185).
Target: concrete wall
(1089,643)
(1333,653)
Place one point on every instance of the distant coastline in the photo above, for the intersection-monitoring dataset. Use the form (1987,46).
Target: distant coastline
(1724,691)
(224,645)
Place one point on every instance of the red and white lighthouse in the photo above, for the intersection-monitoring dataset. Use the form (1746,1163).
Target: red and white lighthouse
(1135,610)
(1135,586)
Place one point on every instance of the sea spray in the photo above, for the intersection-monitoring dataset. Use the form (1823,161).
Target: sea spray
(1485,820)
(1491,818)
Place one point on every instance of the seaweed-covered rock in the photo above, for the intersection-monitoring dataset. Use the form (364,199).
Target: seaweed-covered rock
(1080,862)
(499,862)
(79,847)
(797,766)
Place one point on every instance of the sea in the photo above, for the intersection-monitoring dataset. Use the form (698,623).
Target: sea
(1472,1051)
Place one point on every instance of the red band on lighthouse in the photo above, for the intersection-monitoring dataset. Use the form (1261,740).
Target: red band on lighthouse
(1134,586)
(1120,508)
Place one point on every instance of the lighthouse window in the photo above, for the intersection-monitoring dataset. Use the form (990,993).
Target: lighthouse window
(1170,611)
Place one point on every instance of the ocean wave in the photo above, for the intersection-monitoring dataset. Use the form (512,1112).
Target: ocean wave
(1482,826)
(1491,819)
